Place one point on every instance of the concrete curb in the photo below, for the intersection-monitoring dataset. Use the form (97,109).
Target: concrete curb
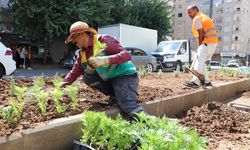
(59,133)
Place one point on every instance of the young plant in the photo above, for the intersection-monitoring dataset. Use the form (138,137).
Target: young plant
(72,92)
(57,81)
(8,114)
(13,112)
(176,73)
(12,85)
(41,100)
(17,108)
(142,72)
(57,95)
(152,133)
(20,93)
(186,65)
(159,74)
(39,81)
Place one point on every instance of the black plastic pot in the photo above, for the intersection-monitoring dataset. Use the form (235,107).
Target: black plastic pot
(79,146)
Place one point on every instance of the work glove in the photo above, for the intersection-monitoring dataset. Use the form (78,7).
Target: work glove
(99,61)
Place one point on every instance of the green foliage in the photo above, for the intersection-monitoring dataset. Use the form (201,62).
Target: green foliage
(105,133)
(229,71)
(57,81)
(41,100)
(72,92)
(154,14)
(159,74)
(39,81)
(153,133)
(57,95)
(12,85)
(8,114)
(19,92)
(176,73)
(45,19)
(142,72)
(13,112)
(52,18)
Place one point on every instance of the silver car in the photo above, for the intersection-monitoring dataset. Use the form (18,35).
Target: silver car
(142,59)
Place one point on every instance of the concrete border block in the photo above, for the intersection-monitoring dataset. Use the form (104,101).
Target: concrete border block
(11,142)
(248,84)
(152,107)
(167,106)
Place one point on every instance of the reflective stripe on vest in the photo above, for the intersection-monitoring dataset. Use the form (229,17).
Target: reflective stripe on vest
(208,28)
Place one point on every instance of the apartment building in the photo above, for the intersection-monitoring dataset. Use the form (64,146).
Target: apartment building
(231,18)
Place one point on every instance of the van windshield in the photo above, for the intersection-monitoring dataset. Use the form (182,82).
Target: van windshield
(169,47)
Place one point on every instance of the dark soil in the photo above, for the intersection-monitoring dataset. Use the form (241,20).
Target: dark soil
(219,122)
(151,87)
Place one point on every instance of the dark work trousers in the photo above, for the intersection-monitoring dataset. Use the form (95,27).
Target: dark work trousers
(124,88)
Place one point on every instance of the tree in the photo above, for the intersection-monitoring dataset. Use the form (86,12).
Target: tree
(45,19)
(154,14)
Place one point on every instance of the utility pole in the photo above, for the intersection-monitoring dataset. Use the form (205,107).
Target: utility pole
(211,9)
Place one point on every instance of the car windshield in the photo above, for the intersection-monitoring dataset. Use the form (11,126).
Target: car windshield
(168,47)
(232,61)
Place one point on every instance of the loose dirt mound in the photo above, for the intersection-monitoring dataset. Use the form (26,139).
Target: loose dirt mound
(226,127)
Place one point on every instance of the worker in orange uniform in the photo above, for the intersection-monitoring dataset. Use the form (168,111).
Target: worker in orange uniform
(204,29)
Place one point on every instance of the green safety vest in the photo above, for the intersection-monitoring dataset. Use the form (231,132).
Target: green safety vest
(111,70)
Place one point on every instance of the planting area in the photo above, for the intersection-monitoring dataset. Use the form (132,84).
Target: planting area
(27,103)
(226,127)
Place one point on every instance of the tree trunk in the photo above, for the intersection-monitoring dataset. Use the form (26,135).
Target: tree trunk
(46,48)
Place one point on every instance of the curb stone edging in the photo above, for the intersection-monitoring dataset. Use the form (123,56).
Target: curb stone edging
(58,134)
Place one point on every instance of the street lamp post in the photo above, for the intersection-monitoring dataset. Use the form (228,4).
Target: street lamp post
(211,9)
(248,42)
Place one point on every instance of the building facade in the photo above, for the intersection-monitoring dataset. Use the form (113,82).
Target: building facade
(231,18)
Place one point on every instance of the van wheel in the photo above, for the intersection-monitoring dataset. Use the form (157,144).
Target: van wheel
(178,66)
(149,68)
(2,71)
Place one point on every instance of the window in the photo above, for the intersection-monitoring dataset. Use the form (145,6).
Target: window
(238,9)
(226,38)
(228,10)
(236,29)
(227,29)
(138,52)
(180,6)
(225,48)
(236,38)
(179,14)
(183,49)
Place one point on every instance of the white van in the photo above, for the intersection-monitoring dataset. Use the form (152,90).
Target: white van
(172,55)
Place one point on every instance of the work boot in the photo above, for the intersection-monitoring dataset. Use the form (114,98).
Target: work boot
(208,84)
(191,84)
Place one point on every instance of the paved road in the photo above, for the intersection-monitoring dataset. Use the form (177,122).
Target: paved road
(38,70)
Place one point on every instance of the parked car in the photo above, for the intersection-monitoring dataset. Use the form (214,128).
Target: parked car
(7,64)
(215,65)
(139,57)
(142,59)
(233,63)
